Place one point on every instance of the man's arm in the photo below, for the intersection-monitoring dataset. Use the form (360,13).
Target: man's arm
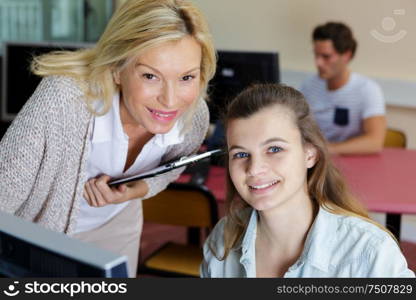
(371,141)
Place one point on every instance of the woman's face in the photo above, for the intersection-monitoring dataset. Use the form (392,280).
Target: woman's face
(267,161)
(161,85)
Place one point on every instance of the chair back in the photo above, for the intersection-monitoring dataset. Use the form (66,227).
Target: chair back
(395,138)
(182,204)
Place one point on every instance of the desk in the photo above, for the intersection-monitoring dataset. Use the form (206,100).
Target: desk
(384,182)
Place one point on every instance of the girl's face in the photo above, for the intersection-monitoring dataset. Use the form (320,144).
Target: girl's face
(267,161)
(161,85)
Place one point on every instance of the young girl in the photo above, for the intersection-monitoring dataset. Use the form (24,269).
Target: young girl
(289,211)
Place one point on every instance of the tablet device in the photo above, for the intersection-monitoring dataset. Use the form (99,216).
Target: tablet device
(183,161)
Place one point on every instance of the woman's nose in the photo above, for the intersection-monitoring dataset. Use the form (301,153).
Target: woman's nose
(168,96)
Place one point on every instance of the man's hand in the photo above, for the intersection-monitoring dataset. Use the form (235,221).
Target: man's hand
(370,142)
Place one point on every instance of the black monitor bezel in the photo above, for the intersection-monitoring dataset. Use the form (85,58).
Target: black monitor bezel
(5,114)
(232,56)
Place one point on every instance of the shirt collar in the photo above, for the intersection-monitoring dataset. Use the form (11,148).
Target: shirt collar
(172,137)
(248,243)
(108,126)
(319,238)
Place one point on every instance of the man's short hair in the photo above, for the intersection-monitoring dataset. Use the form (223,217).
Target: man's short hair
(340,35)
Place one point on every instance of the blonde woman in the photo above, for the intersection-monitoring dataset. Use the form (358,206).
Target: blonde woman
(289,211)
(132,102)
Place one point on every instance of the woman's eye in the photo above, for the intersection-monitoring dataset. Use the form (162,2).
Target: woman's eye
(188,77)
(149,76)
(275,149)
(240,155)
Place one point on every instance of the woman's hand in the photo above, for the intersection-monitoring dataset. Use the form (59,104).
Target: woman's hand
(98,193)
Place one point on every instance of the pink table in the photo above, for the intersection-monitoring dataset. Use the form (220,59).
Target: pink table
(384,182)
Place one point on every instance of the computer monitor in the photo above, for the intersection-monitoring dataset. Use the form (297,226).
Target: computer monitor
(236,71)
(29,250)
(18,82)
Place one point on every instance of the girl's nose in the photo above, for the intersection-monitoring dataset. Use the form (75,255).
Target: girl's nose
(256,166)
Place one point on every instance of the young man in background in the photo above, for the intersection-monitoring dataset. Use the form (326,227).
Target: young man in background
(348,107)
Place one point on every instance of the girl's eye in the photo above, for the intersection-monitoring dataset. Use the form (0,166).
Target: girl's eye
(275,149)
(240,155)
(149,76)
(188,77)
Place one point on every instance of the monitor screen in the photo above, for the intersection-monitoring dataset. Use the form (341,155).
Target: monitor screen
(236,71)
(29,250)
(18,82)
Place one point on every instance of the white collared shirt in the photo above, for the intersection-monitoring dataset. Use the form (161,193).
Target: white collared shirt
(336,246)
(108,154)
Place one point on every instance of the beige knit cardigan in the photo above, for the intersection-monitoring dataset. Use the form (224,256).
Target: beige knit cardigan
(44,152)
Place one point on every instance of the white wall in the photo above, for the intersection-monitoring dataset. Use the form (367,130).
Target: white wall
(286,25)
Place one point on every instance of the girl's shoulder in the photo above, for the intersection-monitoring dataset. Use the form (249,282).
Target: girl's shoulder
(215,239)
(368,249)
(216,236)
(357,227)
(352,236)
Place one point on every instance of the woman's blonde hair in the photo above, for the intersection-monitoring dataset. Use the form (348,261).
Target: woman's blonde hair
(326,187)
(136,26)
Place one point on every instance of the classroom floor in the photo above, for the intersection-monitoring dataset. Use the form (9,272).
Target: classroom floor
(155,235)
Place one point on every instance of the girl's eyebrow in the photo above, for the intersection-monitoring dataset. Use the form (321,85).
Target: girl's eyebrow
(235,147)
(275,139)
(268,141)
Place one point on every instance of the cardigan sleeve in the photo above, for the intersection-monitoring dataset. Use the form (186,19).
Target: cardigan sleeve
(23,148)
(192,141)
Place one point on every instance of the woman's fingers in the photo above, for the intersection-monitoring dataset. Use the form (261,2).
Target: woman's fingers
(100,198)
(90,194)
(98,193)
(121,188)
(102,185)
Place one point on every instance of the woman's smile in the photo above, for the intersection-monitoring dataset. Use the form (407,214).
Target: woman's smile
(163,116)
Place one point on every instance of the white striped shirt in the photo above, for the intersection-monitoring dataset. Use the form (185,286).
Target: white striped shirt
(340,113)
